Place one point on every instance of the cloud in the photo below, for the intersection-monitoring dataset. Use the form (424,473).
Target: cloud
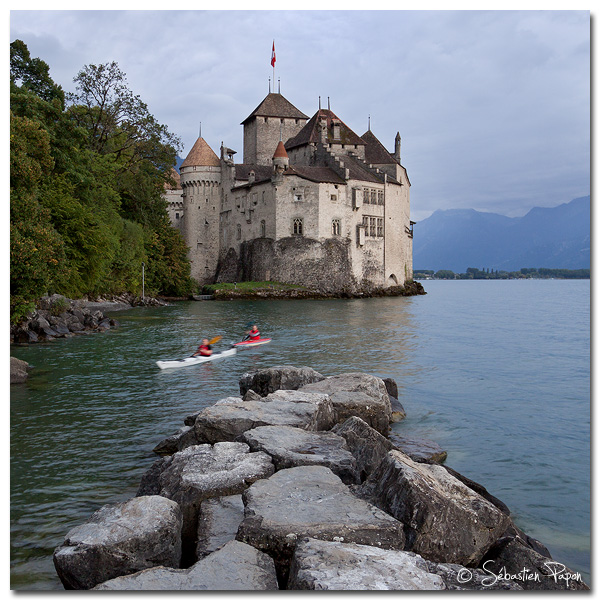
(493,106)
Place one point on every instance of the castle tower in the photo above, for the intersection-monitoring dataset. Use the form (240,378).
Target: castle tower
(200,175)
(281,160)
(273,119)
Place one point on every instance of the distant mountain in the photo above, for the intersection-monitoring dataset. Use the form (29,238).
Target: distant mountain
(178,161)
(555,238)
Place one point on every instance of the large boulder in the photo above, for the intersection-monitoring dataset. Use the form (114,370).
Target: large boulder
(419,449)
(516,559)
(120,539)
(367,446)
(235,567)
(319,565)
(265,381)
(445,521)
(204,471)
(357,394)
(18,370)
(218,523)
(324,565)
(293,447)
(311,501)
(229,421)
(183,438)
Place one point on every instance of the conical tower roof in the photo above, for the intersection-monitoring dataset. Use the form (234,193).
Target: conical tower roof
(201,155)
(280,151)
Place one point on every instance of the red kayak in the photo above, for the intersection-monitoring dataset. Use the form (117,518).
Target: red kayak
(251,343)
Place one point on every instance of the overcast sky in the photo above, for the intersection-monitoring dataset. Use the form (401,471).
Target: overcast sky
(493,107)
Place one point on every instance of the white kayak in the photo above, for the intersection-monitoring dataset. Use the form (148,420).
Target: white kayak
(194,360)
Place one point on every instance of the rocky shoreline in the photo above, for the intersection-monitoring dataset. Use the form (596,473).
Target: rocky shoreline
(412,288)
(58,317)
(296,483)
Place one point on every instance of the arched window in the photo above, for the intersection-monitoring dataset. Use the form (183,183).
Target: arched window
(298,227)
(263,229)
(239,232)
(335,227)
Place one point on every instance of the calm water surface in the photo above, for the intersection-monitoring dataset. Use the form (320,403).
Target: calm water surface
(496,372)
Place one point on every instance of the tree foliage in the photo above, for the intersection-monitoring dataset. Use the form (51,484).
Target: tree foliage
(87,176)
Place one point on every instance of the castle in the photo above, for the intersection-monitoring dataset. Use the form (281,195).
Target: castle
(312,203)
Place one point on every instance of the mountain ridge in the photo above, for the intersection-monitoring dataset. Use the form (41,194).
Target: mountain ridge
(455,239)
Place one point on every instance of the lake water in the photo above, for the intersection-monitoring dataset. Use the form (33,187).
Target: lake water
(495,372)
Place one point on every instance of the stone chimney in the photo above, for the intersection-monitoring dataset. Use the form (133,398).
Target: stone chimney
(397,147)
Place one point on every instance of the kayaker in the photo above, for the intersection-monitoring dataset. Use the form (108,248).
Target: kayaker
(253,334)
(205,349)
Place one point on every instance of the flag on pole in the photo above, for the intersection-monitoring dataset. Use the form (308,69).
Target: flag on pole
(273,55)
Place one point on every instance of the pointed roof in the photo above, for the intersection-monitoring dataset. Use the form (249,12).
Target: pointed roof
(275,105)
(310,133)
(201,155)
(375,152)
(174,175)
(280,151)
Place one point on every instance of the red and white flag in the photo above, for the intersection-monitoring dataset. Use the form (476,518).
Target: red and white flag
(273,55)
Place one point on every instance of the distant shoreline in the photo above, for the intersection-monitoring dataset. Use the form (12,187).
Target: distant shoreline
(524,273)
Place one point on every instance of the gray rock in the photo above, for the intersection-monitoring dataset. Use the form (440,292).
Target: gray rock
(293,447)
(357,395)
(218,523)
(120,539)
(228,422)
(265,381)
(18,370)
(236,566)
(516,559)
(482,491)
(420,450)
(322,565)
(457,577)
(367,446)
(391,386)
(184,438)
(444,520)
(251,395)
(149,484)
(204,471)
(311,502)
(398,412)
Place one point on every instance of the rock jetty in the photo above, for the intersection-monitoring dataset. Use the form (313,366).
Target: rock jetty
(296,483)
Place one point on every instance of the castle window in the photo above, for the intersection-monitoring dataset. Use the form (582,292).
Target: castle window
(265,119)
(335,227)
(298,195)
(333,197)
(263,229)
(373,227)
(297,227)
(177,215)
(380,197)
(373,196)
(365,224)
(366,196)
(239,233)
(379,227)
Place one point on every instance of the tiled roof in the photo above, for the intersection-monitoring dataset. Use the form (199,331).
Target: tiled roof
(317,174)
(174,175)
(358,170)
(275,105)
(375,152)
(311,132)
(201,155)
(261,172)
